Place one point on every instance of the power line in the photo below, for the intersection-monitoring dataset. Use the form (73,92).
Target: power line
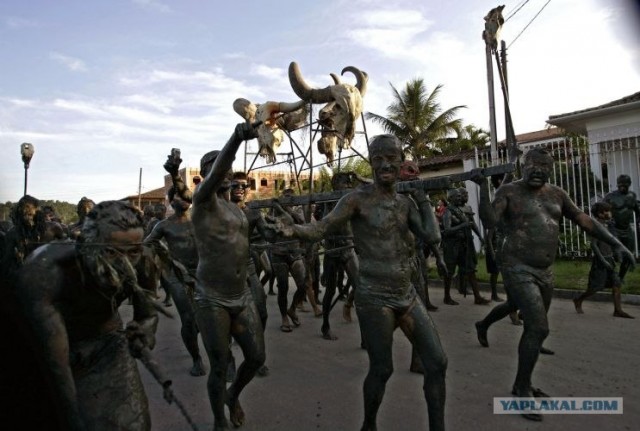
(516,11)
(532,19)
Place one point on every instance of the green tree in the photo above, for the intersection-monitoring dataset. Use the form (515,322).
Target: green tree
(467,138)
(353,164)
(417,119)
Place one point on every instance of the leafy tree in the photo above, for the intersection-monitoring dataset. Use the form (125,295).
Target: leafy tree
(417,119)
(467,138)
(353,164)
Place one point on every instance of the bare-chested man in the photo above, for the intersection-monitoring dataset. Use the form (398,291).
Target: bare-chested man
(82,209)
(223,302)
(70,294)
(177,230)
(624,204)
(384,224)
(238,194)
(30,230)
(529,212)
(339,256)
(458,248)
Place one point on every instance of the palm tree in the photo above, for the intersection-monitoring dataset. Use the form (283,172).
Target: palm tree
(467,138)
(416,118)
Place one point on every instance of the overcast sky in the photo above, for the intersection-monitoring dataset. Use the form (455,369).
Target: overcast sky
(104,88)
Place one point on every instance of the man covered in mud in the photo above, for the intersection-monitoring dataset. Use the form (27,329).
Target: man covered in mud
(223,302)
(624,204)
(30,230)
(82,209)
(458,248)
(238,194)
(177,230)
(339,255)
(70,294)
(384,224)
(529,212)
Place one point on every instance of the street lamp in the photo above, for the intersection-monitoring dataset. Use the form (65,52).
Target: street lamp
(26,150)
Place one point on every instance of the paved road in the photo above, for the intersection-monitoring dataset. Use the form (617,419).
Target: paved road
(316,385)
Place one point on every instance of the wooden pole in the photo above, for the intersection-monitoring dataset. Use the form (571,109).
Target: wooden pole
(492,106)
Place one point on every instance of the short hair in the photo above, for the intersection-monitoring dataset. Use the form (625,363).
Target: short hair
(600,207)
(624,178)
(148,210)
(452,192)
(379,141)
(16,214)
(209,157)
(160,210)
(346,177)
(82,202)
(110,216)
(537,152)
(239,175)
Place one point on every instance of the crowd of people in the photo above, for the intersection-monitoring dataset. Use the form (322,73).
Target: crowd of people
(65,284)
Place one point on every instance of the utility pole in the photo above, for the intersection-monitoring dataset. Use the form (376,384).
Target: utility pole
(140,190)
(492,25)
(492,107)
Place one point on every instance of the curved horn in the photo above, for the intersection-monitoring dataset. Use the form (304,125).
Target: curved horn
(361,78)
(290,107)
(302,89)
(241,106)
(336,78)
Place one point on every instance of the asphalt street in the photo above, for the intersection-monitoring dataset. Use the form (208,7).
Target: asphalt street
(316,385)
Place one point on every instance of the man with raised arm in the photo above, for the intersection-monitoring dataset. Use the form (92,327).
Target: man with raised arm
(223,302)
(384,224)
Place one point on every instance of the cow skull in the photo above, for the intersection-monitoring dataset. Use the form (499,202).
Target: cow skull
(343,106)
(270,131)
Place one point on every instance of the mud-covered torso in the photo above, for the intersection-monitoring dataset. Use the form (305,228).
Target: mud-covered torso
(222,241)
(180,237)
(530,226)
(384,242)
(622,208)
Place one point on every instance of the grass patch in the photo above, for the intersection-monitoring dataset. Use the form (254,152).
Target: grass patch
(569,274)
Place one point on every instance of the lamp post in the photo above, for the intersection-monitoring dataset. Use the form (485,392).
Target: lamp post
(26,150)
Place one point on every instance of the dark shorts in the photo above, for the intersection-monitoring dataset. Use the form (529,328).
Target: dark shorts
(460,253)
(601,278)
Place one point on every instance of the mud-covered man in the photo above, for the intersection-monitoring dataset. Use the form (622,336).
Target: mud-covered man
(529,212)
(384,224)
(70,294)
(223,302)
(624,204)
(178,232)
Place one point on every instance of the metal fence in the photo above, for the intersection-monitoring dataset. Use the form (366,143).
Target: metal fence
(587,173)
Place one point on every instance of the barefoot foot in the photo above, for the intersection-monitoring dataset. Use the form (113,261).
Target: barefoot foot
(482,334)
(236,414)
(198,368)
(578,304)
(622,314)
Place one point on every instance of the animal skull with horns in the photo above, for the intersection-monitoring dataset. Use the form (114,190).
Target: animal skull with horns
(270,134)
(343,106)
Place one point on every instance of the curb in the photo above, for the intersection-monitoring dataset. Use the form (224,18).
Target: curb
(604,296)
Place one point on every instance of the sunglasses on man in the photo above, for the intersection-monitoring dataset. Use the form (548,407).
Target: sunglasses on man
(243,186)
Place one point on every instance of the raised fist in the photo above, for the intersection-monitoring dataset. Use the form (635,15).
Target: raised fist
(246,131)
